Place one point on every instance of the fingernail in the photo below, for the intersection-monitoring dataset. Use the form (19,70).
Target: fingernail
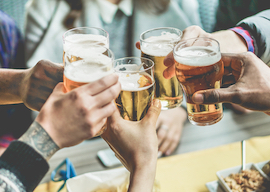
(198,98)
(156,103)
(159,154)
(168,153)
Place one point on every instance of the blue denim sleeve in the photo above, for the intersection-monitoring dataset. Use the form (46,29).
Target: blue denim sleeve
(11,43)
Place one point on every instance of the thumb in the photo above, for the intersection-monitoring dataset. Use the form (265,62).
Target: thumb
(115,117)
(59,88)
(153,112)
(211,96)
(138,45)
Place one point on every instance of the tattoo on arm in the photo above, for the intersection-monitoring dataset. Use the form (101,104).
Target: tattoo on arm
(39,139)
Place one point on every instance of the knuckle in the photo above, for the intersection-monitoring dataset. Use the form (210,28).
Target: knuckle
(213,96)
(236,96)
(102,82)
(73,95)
(83,111)
(110,109)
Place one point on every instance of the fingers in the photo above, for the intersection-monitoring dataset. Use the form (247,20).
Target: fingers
(101,85)
(170,142)
(51,70)
(169,72)
(107,95)
(194,32)
(169,60)
(59,88)
(107,110)
(161,133)
(138,45)
(212,96)
(153,112)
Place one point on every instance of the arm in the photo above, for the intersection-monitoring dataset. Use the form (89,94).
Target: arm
(10,82)
(32,86)
(65,120)
(259,27)
(135,145)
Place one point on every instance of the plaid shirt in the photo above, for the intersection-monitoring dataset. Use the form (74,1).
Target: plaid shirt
(247,37)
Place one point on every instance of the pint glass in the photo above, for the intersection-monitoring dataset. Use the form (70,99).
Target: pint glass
(199,66)
(137,81)
(84,37)
(86,65)
(156,44)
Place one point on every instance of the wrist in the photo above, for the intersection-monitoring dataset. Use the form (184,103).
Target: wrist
(142,177)
(230,46)
(10,85)
(40,140)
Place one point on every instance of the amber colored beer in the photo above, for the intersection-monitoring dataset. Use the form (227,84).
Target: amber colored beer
(200,68)
(156,48)
(136,95)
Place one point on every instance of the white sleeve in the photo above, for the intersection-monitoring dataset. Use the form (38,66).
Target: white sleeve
(191,9)
(38,15)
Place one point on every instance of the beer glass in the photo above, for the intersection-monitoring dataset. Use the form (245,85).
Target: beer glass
(156,44)
(199,66)
(84,37)
(137,81)
(85,65)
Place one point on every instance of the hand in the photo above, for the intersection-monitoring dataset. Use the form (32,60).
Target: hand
(189,32)
(250,79)
(135,144)
(169,129)
(236,44)
(38,83)
(69,118)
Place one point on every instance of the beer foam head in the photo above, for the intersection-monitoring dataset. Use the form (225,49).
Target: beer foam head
(197,56)
(84,41)
(130,81)
(89,69)
(160,45)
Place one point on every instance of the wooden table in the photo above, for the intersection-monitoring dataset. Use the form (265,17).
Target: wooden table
(231,128)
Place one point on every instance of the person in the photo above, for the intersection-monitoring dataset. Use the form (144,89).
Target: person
(257,26)
(250,34)
(66,119)
(125,20)
(11,56)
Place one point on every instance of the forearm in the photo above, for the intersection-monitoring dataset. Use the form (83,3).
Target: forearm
(40,140)
(24,163)
(10,82)
(230,42)
(142,178)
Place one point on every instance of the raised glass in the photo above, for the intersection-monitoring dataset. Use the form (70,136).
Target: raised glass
(199,66)
(156,44)
(137,81)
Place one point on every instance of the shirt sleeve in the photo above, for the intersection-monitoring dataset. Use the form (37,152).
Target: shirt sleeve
(246,36)
(259,28)
(21,168)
